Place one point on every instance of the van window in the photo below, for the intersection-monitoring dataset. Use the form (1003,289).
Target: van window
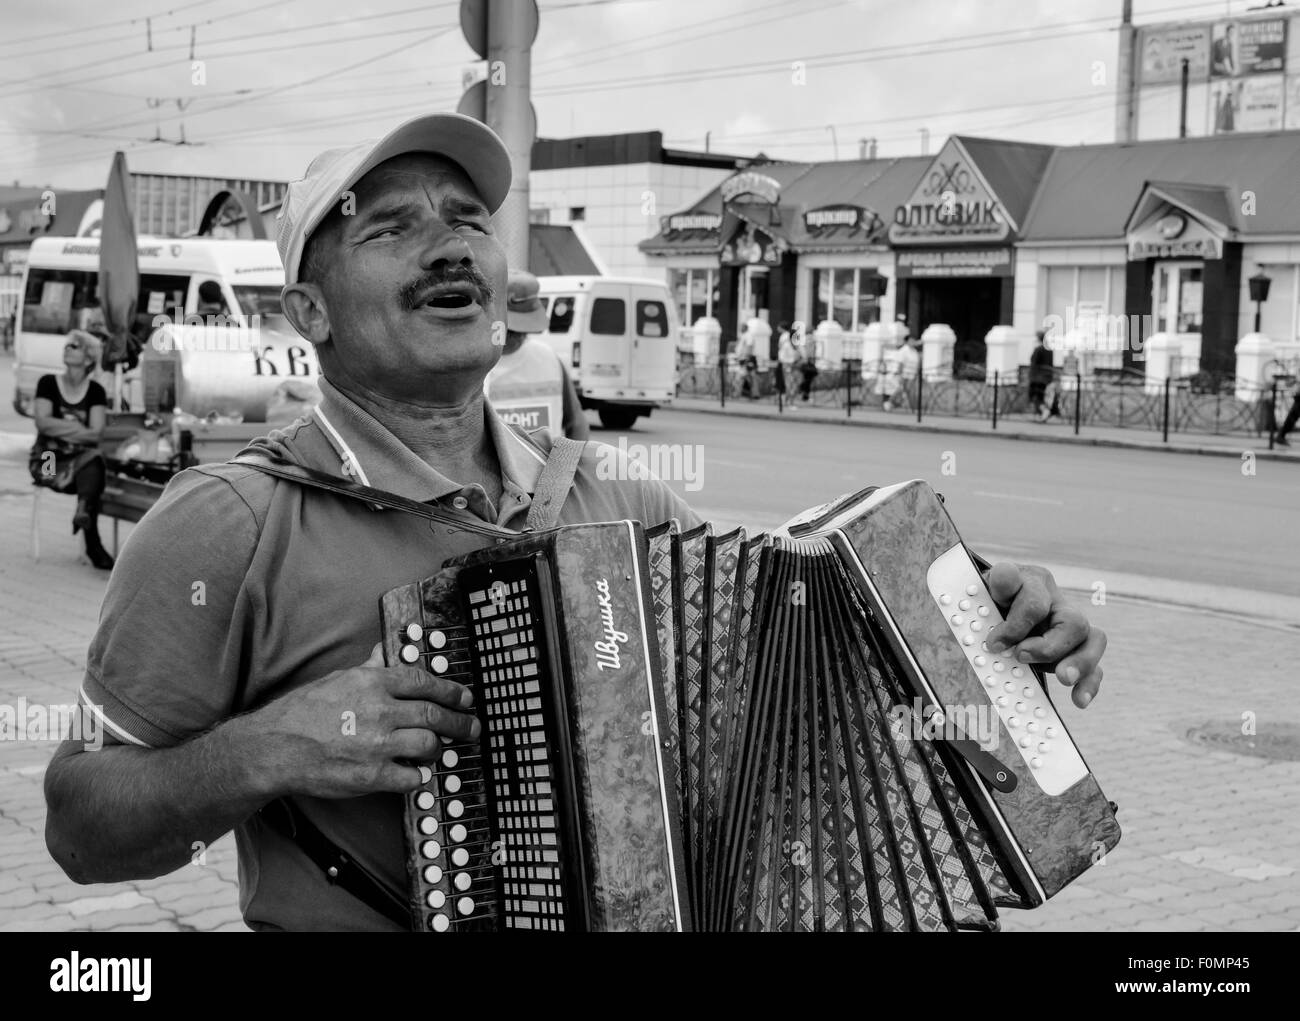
(54,296)
(162,294)
(651,319)
(561,314)
(609,316)
(259,300)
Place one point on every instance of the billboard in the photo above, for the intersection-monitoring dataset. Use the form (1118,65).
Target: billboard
(1246,104)
(1162,50)
(1246,47)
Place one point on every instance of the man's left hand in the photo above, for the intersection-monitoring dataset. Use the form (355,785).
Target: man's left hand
(1046,630)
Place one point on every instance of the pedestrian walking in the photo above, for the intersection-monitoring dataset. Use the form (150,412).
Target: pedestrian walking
(1041,372)
(901,366)
(1289,422)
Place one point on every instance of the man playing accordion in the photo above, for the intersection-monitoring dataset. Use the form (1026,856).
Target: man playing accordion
(235,664)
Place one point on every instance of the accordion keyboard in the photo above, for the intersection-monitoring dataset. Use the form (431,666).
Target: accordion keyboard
(526,824)
(1038,735)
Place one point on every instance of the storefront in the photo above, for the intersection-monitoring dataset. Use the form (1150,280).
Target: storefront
(954,239)
(1103,246)
(787,243)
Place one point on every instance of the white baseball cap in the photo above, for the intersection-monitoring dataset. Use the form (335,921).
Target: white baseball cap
(469,143)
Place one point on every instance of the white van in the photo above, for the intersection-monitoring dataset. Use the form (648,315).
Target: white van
(619,337)
(225,280)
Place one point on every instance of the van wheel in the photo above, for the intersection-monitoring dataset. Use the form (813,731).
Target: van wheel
(618,418)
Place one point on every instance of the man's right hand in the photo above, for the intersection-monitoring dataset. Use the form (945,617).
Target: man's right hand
(356,731)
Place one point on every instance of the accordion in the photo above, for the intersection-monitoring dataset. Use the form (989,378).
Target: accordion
(797,731)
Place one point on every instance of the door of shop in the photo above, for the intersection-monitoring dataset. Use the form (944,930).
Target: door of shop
(970,305)
(1176,297)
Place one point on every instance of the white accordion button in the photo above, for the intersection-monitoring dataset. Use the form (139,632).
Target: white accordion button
(1002,700)
(1013,722)
(1050,732)
(426,774)
(955,620)
(460,858)
(462,882)
(991,681)
(1036,762)
(450,758)
(1020,708)
(983,611)
(1040,712)
(451,783)
(428,825)
(465,906)
(980,661)
(1009,686)
(945,600)
(1032,728)
(414,632)
(455,809)
(999,666)
(968,640)
(975,625)
(964,604)
(435,898)
(424,800)
(1024,742)
(437,639)
(432,874)
(410,653)
(972,590)
(458,833)
(431,849)
(1044,746)
(438,664)
(1017,671)
(440,923)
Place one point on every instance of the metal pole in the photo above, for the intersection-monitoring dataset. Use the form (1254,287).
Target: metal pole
(722,375)
(995,398)
(1271,420)
(1182,109)
(848,388)
(1257,310)
(1165,436)
(920,382)
(1078,400)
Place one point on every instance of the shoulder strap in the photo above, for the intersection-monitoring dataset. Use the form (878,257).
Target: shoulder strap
(554,483)
(367,494)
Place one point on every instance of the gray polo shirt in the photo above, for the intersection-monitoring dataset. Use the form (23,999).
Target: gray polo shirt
(237,587)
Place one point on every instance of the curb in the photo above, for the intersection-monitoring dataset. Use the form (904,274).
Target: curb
(1032,437)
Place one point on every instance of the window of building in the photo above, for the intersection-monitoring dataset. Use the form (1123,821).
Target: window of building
(609,317)
(1078,293)
(851,297)
(539,215)
(577,213)
(692,291)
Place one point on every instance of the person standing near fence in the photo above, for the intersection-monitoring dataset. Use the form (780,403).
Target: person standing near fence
(1041,371)
(787,360)
(901,367)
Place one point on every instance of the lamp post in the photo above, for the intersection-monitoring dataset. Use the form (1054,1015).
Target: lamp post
(1259,292)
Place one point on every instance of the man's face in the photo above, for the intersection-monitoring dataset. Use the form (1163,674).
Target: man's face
(413,282)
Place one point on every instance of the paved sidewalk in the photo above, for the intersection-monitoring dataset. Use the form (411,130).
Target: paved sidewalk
(1211,838)
(1010,427)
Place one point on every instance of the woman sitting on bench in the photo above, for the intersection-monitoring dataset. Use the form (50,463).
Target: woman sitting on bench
(70,409)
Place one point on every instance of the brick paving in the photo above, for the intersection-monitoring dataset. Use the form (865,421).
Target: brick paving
(1211,838)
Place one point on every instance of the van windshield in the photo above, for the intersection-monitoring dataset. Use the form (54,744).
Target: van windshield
(259,299)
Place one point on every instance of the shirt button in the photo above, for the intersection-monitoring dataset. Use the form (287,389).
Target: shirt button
(460,503)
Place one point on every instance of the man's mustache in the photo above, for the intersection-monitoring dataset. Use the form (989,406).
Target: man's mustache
(415,293)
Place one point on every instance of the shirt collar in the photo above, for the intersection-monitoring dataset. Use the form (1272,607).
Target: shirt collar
(373,456)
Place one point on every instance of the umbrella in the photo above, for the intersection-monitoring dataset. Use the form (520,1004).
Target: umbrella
(119,271)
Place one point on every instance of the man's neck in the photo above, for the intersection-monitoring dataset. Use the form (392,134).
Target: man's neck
(452,439)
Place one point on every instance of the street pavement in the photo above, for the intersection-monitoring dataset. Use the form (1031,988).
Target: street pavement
(1211,828)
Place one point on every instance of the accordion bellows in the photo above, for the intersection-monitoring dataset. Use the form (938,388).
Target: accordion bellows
(687,730)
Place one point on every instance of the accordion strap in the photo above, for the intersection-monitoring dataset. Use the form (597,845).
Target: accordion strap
(554,483)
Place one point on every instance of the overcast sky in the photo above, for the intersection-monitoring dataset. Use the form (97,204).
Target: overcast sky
(287,78)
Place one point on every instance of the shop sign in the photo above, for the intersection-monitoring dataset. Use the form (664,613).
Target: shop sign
(951,203)
(751,247)
(829,217)
(1171,234)
(694,221)
(956,262)
(750,183)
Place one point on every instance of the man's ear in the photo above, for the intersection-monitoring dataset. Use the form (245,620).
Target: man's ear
(304,307)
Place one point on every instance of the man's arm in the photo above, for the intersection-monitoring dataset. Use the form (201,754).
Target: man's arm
(125,812)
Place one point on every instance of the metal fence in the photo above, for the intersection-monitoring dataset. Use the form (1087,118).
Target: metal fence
(1203,403)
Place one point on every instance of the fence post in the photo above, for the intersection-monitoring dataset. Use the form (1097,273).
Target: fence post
(848,388)
(1078,400)
(1271,420)
(920,382)
(995,398)
(722,378)
(1165,436)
